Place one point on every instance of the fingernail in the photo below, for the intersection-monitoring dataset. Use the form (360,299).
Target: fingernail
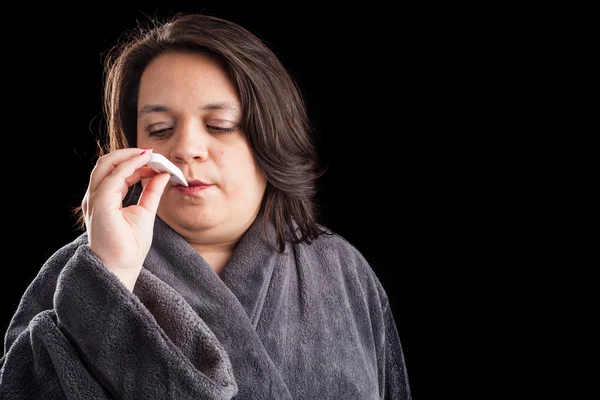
(142,152)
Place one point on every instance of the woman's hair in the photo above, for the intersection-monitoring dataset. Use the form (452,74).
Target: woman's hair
(274,117)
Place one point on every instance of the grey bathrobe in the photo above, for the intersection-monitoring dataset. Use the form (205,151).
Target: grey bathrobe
(311,323)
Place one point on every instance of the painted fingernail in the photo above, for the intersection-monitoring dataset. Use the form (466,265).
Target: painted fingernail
(142,152)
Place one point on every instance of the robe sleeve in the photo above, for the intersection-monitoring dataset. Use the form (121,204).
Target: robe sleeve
(79,333)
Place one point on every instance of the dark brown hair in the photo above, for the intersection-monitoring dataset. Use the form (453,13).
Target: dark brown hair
(274,120)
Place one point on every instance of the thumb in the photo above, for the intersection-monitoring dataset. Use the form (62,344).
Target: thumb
(153,190)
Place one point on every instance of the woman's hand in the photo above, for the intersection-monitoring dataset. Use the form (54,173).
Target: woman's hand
(121,237)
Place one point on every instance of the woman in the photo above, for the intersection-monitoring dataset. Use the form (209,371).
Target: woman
(227,287)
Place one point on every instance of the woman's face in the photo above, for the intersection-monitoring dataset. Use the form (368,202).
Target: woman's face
(189,111)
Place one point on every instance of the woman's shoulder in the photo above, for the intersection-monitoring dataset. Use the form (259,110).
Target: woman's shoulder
(337,263)
(332,253)
(332,243)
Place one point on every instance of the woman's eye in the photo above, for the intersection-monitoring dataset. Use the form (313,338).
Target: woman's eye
(158,132)
(220,129)
(211,128)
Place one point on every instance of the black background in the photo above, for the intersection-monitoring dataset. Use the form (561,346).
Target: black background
(377,85)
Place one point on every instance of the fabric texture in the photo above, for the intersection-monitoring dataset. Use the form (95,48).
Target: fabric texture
(313,322)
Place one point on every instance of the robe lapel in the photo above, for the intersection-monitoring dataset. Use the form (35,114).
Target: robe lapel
(230,305)
(249,273)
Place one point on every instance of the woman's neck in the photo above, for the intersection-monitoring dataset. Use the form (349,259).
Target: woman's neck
(217,256)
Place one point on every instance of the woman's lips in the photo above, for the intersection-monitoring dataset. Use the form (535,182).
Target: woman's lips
(197,182)
(194,187)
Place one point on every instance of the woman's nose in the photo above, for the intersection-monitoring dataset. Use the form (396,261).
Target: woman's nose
(190,143)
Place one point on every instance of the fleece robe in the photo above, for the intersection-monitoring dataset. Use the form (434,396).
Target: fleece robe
(313,322)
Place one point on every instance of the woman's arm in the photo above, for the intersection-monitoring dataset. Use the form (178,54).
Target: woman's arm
(100,340)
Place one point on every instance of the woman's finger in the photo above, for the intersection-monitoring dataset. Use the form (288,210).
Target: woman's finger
(138,175)
(115,181)
(107,164)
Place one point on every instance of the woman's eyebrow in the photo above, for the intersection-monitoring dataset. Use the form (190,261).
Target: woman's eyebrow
(152,108)
(225,105)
